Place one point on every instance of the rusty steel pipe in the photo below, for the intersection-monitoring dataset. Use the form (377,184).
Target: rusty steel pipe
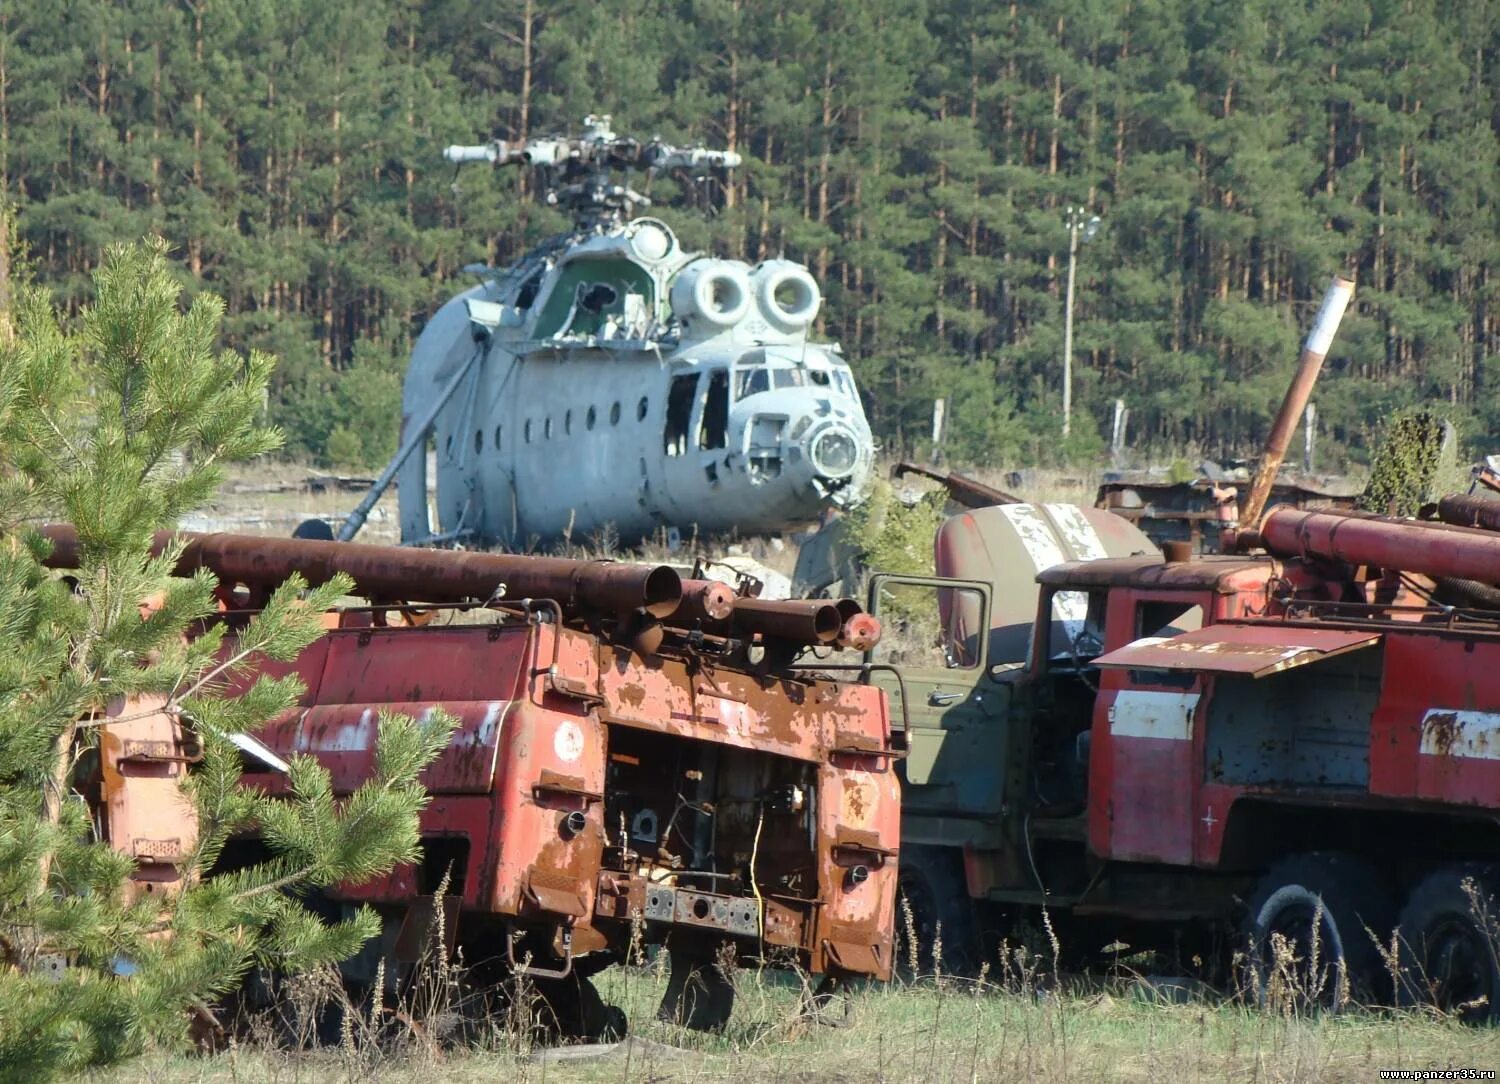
(807,621)
(705,600)
(860,631)
(1436,550)
(1314,350)
(1470,511)
(414,575)
(969,492)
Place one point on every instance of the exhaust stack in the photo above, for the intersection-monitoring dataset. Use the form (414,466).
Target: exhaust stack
(1314,350)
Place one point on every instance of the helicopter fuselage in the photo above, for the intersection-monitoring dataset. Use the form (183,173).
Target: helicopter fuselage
(613,383)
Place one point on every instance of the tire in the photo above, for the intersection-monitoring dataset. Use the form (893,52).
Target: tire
(1350,897)
(1449,950)
(699,996)
(577,1012)
(933,908)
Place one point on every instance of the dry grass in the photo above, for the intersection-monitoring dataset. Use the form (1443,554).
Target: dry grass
(944,1031)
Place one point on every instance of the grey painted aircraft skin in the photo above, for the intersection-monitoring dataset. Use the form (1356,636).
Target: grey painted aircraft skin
(610,380)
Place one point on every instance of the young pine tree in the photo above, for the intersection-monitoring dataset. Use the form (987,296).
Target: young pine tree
(120,425)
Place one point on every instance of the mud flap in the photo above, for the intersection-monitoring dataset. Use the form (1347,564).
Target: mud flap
(417,928)
(853,956)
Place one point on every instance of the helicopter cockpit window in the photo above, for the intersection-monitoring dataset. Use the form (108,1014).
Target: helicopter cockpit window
(588,297)
(527,293)
(595,297)
(818,377)
(713,431)
(750,382)
(845,381)
(787,378)
(679,413)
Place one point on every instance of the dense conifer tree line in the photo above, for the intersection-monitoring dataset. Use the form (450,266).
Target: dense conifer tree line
(917,154)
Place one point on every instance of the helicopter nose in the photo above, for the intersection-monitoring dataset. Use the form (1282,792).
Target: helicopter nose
(833,451)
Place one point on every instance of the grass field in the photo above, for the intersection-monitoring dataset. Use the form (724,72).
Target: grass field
(955,1031)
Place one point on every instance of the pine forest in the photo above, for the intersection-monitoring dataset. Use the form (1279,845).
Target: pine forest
(918,155)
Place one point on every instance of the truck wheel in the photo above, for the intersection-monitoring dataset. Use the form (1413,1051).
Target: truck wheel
(932,909)
(577,1012)
(1448,944)
(699,996)
(1305,936)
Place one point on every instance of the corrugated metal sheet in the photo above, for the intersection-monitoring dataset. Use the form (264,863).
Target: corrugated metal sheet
(1254,650)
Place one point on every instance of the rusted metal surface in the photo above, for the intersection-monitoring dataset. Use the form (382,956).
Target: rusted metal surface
(1253,650)
(415,575)
(1314,350)
(589,788)
(963,490)
(1433,549)
(1470,511)
(144,757)
(704,600)
(1221,574)
(1197,512)
(806,621)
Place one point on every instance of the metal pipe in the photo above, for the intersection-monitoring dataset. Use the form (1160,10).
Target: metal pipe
(705,600)
(961,489)
(1067,388)
(412,439)
(807,621)
(414,575)
(1314,350)
(1436,550)
(1470,511)
(860,632)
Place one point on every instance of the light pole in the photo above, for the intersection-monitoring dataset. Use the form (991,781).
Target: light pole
(1078,222)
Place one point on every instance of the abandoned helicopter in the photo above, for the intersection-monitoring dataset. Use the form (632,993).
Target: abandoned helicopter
(609,378)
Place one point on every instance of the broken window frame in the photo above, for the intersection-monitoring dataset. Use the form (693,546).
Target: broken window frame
(682,395)
(713,425)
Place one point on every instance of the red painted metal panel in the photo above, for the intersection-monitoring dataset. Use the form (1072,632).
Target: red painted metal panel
(356,674)
(343,738)
(1144,748)
(864,821)
(1436,731)
(553,765)
(415,666)
(1254,650)
(1146,776)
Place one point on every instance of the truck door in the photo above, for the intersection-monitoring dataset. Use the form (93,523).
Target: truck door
(1147,750)
(935,633)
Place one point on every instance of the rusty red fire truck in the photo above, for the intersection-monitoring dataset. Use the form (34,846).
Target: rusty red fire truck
(1301,736)
(637,762)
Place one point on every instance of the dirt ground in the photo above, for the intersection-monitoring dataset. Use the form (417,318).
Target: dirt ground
(271,498)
